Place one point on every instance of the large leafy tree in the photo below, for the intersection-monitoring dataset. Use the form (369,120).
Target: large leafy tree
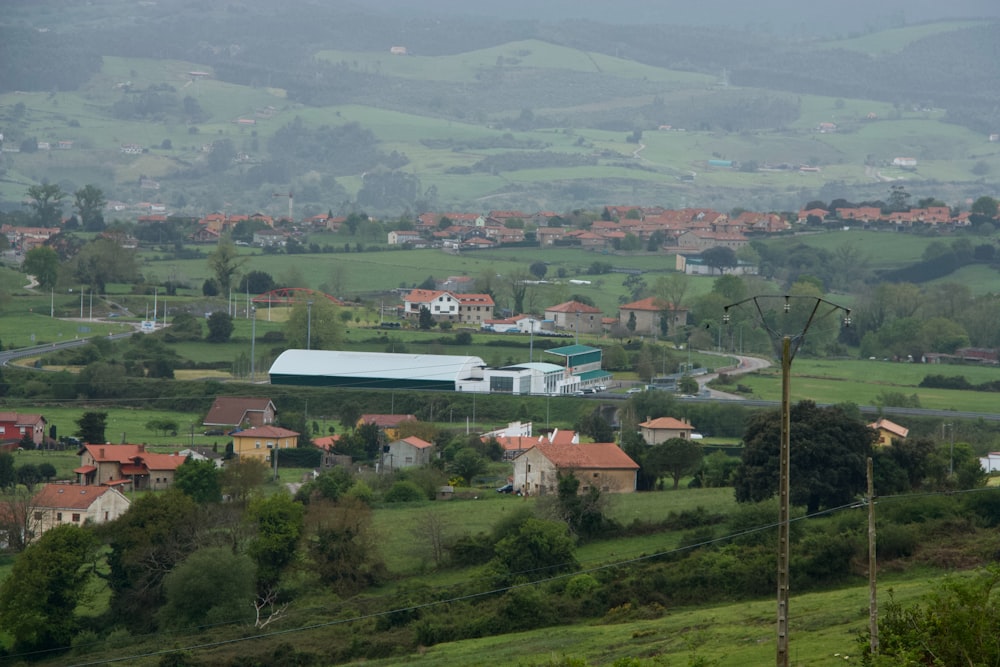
(675,457)
(278,520)
(38,600)
(320,322)
(225,263)
(343,546)
(42,263)
(537,550)
(46,203)
(91,425)
(102,261)
(220,327)
(157,533)
(89,204)
(828,456)
(201,480)
(212,585)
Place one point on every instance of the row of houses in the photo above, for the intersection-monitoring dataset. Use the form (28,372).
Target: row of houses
(650,316)
(931,215)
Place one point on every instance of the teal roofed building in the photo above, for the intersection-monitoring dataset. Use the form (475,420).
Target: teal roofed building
(584,362)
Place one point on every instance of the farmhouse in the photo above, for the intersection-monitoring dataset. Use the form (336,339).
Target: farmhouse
(389,424)
(655,431)
(652,316)
(575,315)
(598,465)
(126,466)
(407,453)
(258,442)
(57,504)
(231,411)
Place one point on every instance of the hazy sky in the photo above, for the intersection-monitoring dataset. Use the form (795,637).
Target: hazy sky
(779,16)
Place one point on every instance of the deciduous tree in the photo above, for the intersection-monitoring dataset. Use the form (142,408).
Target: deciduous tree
(38,600)
(828,454)
(46,203)
(201,480)
(42,262)
(89,203)
(212,585)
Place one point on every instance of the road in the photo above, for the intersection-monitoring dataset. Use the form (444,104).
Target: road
(746,365)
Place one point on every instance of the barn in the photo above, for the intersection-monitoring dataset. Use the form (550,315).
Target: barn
(375,370)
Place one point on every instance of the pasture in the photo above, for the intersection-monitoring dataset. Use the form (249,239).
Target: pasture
(863,381)
(947,152)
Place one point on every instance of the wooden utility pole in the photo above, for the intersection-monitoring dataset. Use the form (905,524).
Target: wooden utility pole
(872,598)
(783,497)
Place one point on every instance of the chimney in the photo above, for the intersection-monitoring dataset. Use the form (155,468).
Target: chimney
(102,452)
(142,447)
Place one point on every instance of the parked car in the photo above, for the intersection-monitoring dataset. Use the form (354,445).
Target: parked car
(506,488)
(635,390)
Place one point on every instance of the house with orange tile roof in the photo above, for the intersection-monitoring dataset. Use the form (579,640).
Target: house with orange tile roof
(575,316)
(448,307)
(128,466)
(888,431)
(408,452)
(58,504)
(598,465)
(388,423)
(259,442)
(655,431)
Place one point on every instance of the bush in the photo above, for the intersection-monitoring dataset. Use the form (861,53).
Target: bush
(895,541)
(404,492)
(985,505)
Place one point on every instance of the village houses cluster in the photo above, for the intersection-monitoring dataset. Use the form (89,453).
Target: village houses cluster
(109,473)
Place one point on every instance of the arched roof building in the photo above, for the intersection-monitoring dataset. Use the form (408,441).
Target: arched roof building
(375,370)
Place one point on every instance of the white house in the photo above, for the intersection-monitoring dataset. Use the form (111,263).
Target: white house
(407,453)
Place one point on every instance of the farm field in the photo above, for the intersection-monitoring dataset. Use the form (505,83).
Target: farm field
(948,153)
(862,382)
(823,630)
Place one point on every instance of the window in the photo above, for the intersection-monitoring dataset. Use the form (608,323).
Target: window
(38,516)
(76,518)
(257,446)
(58,516)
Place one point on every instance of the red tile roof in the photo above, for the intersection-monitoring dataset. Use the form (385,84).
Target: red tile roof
(266,431)
(386,421)
(588,456)
(68,496)
(572,307)
(414,441)
(667,423)
(653,303)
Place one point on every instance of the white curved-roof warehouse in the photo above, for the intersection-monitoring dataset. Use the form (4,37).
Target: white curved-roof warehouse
(374,369)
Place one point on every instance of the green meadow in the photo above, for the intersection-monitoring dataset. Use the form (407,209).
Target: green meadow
(895,40)
(863,381)
(946,152)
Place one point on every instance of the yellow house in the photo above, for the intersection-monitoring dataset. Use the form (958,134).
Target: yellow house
(258,442)
(888,431)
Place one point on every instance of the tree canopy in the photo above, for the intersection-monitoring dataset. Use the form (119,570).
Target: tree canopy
(828,456)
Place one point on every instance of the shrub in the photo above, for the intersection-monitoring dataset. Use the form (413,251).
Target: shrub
(404,492)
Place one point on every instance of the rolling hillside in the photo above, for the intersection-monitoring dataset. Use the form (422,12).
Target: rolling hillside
(553,120)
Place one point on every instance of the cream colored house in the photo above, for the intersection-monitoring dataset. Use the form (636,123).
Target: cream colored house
(655,431)
(74,504)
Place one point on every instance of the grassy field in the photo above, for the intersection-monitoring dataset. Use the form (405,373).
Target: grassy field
(823,628)
(946,152)
(862,382)
(894,40)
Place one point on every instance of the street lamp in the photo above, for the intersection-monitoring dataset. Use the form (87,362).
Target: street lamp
(309,323)
(788,351)
(253,341)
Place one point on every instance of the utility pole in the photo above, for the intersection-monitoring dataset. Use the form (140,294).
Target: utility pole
(778,326)
(872,598)
(253,342)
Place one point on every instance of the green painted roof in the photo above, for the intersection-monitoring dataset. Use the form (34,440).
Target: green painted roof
(570,350)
